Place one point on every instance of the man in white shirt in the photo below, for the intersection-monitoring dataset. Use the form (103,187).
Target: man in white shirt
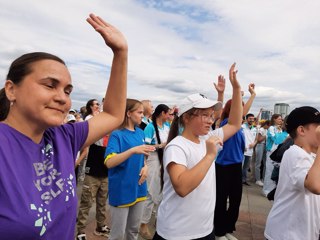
(250,133)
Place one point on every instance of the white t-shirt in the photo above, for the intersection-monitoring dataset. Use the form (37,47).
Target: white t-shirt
(250,136)
(295,214)
(263,133)
(192,216)
(100,141)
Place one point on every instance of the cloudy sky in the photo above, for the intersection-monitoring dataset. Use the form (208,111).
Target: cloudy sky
(176,47)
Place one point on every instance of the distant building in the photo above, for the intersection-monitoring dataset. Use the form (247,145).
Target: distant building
(282,109)
(265,115)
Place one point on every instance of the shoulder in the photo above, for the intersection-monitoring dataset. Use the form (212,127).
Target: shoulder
(139,131)
(177,141)
(217,132)
(149,127)
(69,129)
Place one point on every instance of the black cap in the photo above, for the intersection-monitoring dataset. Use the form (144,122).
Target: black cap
(302,116)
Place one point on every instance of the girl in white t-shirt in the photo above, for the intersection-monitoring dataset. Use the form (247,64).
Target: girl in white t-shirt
(187,208)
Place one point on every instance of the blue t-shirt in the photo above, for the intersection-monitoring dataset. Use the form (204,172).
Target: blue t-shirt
(233,148)
(123,179)
(38,197)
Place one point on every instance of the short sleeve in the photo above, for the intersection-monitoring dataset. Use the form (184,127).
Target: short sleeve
(113,144)
(77,134)
(176,154)
(300,169)
(217,132)
(149,132)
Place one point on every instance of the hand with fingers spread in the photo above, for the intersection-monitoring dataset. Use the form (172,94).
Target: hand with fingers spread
(221,84)
(143,174)
(112,36)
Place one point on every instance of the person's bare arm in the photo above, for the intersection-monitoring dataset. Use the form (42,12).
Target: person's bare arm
(248,104)
(235,117)
(83,154)
(185,180)
(115,98)
(312,181)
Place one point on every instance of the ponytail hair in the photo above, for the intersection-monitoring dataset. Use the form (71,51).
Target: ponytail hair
(174,129)
(157,112)
(4,105)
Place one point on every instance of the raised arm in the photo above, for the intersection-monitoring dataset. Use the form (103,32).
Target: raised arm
(235,117)
(312,181)
(115,97)
(220,87)
(248,104)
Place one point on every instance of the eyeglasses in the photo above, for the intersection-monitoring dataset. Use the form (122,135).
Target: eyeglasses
(205,117)
(98,104)
(171,114)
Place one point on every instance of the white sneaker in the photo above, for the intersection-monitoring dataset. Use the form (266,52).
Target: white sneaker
(221,238)
(259,183)
(231,237)
(82,236)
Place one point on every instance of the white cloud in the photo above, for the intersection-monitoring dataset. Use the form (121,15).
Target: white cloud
(176,47)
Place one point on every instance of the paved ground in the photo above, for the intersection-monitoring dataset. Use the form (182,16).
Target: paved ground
(250,226)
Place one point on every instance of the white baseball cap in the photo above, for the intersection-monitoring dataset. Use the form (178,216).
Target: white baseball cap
(197,100)
(71,117)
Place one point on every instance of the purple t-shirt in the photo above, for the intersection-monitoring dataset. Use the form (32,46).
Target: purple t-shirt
(38,197)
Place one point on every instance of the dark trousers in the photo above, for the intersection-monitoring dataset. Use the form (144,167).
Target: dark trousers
(229,185)
(208,237)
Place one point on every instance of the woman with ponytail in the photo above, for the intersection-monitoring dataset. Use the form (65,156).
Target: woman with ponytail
(156,134)
(37,181)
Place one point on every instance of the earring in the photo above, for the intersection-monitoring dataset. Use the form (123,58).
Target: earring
(11,104)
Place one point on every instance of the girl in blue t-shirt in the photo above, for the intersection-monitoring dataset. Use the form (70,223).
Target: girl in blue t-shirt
(127,173)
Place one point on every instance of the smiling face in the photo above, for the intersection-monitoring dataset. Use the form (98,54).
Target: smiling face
(42,98)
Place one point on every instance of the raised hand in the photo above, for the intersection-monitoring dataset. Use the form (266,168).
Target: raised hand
(233,76)
(112,36)
(221,84)
(251,88)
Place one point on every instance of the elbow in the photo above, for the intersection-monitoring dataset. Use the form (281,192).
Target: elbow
(108,164)
(313,188)
(315,191)
(181,192)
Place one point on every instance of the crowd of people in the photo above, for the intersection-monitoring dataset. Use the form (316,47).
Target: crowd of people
(188,164)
